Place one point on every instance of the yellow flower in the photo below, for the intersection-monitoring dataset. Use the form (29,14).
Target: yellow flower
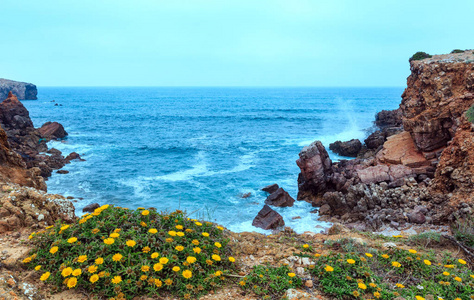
(305,246)
(157,267)
(72,282)
(198,223)
(72,240)
(372,285)
(458,279)
(427,262)
(95,230)
(158,282)
(180,227)
(180,233)
(449,266)
(145,213)
(143,277)
(176,269)
(446,273)
(362,286)
(385,256)
(155,255)
(99,261)
(216,257)
(143,224)
(220,227)
(472,276)
(187,274)
(82,258)
(131,243)
(169,240)
(66,272)
(53,250)
(329,268)
(114,235)
(412,251)
(45,276)
(117,257)
(218,245)
(76,272)
(368,255)
(351,261)
(462,261)
(64,227)
(152,230)
(191,259)
(399,285)
(231,259)
(197,250)
(396,264)
(179,248)
(37,268)
(356,293)
(92,269)
(291,274)
(205,234)
(419,298)
(242,283)
(117,279)
(172,233)
(218,273)
(94,278)
(164,260)
(145,268)
(168,281)
(195,242)
(109,241)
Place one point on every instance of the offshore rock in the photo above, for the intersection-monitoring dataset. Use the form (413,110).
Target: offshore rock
(52,131)
(267,218)
(280,198)
(271,188)
(350,148)
(23,90)
(91,207)
(389,118)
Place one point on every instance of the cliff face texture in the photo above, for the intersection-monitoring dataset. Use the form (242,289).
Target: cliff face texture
(23,90)
(421,174)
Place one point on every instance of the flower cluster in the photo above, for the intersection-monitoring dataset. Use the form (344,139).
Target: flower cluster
(120,253)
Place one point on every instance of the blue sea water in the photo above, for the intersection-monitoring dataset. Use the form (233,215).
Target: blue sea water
(200,149)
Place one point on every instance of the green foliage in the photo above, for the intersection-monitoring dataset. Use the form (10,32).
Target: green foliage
(470,114)
(457,51)
(121,253)
(419,56)
(424,239)
(270,282)
(396,272)
(464,231)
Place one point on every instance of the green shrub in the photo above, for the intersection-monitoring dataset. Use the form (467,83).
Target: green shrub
(463,230)
(420,56)
(470,114)
(457,51)
(121,253)
(390,274)
(270,282)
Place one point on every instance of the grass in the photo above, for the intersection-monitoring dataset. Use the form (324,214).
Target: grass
(419,56)
(119,253)
(470,113)
(463,231)
(457,51)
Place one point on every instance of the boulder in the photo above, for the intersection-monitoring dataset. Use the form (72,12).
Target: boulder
(280,198)
(270,188)
(72,156)
(389,118)
(23,90)
(62,172)
(91,207)
(267,218)
(52,131)
(350,148)
(14,115)
(316,170)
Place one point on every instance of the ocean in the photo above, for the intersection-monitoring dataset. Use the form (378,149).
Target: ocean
(200,149)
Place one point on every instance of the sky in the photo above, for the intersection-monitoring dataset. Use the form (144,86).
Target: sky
(329,43)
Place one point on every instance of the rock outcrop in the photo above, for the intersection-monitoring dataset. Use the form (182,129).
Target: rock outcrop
(419,172)
(28,142)
(280,198)
(350,148)
(23,90)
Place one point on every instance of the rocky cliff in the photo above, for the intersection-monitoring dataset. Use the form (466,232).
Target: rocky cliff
(23,90)
(423,173)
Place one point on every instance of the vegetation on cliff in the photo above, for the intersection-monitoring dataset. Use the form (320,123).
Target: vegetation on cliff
(470,114)
(419,56)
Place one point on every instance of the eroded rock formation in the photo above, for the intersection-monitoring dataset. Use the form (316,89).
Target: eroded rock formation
(421,173)
(23,90)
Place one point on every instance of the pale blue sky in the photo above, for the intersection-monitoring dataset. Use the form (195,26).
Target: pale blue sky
(224,42)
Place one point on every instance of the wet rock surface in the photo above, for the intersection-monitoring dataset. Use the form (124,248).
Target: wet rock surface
(350,148)
(267,218)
